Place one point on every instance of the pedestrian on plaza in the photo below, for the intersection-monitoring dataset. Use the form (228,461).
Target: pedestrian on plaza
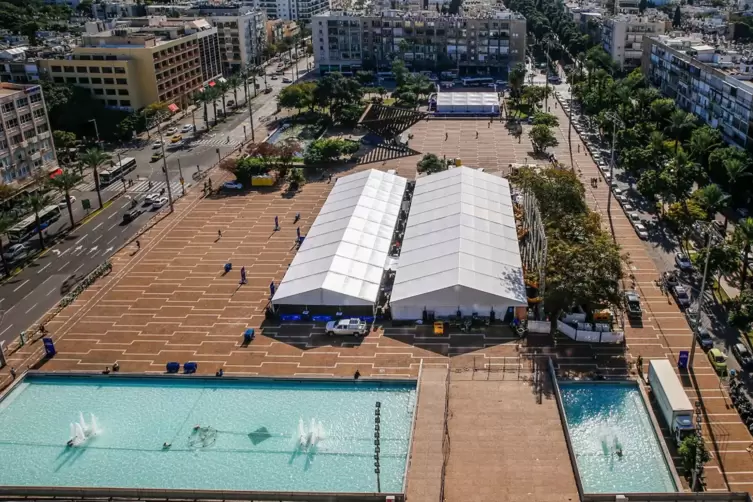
(13,373)
(446,135)
(42,329)
(138,245)
(489,124)
(150,184)
(555,105)
(115,367)
(330,178)
(277,224)
(219,234)
(476,134)
(578,148)
(243,275)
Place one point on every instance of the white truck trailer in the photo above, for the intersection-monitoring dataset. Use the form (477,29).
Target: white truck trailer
(671,398)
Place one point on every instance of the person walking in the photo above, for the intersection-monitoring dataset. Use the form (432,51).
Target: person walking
(138,245)
(446,135)
(219,234)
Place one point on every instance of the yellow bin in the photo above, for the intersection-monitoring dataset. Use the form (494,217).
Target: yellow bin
(439,328)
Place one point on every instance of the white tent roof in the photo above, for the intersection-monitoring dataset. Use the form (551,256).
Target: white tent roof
(460,242)
(466,100)
(342,258)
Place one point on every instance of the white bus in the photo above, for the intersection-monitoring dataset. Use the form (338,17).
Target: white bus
(117,171)
(477,81)
(27,228)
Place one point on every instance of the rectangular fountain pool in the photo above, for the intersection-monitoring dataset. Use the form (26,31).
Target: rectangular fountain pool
(604,418)
(254,435)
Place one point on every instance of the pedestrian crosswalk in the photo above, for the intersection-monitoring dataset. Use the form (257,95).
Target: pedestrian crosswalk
(143,186)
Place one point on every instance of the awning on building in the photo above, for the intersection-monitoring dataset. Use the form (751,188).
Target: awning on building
(173,107)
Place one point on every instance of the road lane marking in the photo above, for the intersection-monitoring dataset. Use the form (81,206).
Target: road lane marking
(41,269)
(64,265)
(6,329)
(95,228)
(95,240)
(108,242)
(82,238)
(21,285)
(113,226)
(61,254)
(51,291)
(113,214)
(79,268)
(32,308)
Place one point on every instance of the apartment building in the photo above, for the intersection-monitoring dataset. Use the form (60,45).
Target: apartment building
(293,10)
(151,60)
(241,31)
(280,29)
(622,35)
(485,44)
(104,10)
(25,137)
(713,83)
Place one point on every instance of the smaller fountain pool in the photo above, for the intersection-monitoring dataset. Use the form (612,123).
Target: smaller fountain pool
(305,134)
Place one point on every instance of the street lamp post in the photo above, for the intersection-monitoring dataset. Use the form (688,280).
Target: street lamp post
(711,235)
(164,168)
(96,131)
(615,121)
(251,119)
(182,180)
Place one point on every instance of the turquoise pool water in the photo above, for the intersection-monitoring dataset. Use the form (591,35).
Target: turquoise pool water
(604,417)
(249,437)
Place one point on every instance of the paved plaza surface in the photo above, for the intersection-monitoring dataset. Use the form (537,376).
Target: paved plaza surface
(171,301)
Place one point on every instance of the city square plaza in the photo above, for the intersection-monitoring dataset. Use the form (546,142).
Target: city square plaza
(172,301)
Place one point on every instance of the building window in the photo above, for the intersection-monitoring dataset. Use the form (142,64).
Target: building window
(121,81)
(112,102)
(122,92)
(81,69)
(99,92)
(25,118)
(22,102)
(16,140)
(39,113)
(93,69)
(110,92)
(83,80)
(36,98)
(8,107)
(106,69)
(70,80)
(96,80)
(69,69)
(56,69)
(12,123)
(109,81)
(58,80)
(30,133)
(120,70)
(42,128)
(125,102)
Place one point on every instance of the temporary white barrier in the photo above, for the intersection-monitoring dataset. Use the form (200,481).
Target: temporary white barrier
(539,326)
(590,336)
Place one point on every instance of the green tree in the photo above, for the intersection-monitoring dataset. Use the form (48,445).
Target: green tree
(64,183)
(723,260)
(30,29)
(741,311)
(234,82)
(517,78)
(703,142)
(681,216)
(297,96)
(680,123)
(712,198)
(677,17)
(93,159)
(430,163)
(729,167)
(222,88)
(64,141)
(542,138)
(743,237)
(662,109)
(547,119)
(400,72)
(7,220)
(37,201)
(689,448)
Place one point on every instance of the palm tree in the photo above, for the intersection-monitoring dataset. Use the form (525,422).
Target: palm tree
(64,183)
(713,199)
(233,82)
(93,158)
(222,88)
(213,94)
(744,236)
(7,220)
(679,123)
(736,170)
(703,141)
(39,200)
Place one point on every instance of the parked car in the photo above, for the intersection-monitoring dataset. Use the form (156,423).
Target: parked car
(354,326)
(15,252)
(232,185)
(641,231)
(628,208)
(743,355)
(131,215)
(683,262)
(633,303)
(186,128)
(681,295)
(633,216)
(273,77)
(704,338)
(718,360)
(287,80)
(170,131)
(157,204)
(231,102)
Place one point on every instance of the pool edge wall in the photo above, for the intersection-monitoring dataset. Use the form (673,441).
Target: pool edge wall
(594,497)
(188,494)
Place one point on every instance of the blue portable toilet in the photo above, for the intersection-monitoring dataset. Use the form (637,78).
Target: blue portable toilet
(49,347)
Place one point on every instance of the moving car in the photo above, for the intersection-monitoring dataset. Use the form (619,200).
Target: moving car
(273,77)
(151,198)
(683,262)
(187,128)
(641,231)
(63,204)
(131,215)
(287,80)
(176,138)
(232,185)
(157,144)
(718,360)
(354,326)
(704,338)
(231,102)
(681,295)
(743,355)
(156,156)
(157,204)
(15,252)
(633,302)
(171,131)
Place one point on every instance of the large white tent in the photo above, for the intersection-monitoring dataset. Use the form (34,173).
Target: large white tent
(481,103)
(460,250)
(342,258)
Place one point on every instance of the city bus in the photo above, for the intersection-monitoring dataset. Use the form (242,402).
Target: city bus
(27,228)
(477,81)
(117,171)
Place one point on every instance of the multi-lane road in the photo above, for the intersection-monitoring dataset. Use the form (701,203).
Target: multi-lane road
(27,296)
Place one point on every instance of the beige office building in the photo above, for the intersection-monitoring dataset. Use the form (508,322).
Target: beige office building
(26,145)
(151,60)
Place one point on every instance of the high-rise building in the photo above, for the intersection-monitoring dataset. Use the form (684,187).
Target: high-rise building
(152,60)
(293,10)
(241,31)
(713,83)
(26,145)
(622,35)
(487,43)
